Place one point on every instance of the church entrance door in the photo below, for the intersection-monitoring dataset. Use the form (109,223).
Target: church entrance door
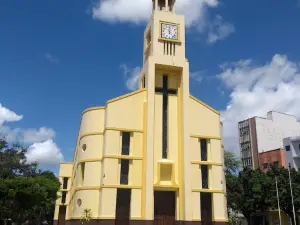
(62,215)
(123,206)
(164,207)
(206,208)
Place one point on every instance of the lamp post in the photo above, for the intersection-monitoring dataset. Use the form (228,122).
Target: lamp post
(294,214)
(278,202)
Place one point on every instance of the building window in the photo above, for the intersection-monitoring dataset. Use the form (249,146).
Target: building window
(63,197)
(287,148)
(65,183)
(299,146)
(82,170)
(266,165)
(203,145)
(125,143)
(83,147)
(79,202)
(124,171)
(276,163)
(204,174)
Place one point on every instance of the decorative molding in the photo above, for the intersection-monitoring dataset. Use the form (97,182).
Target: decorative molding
(90,134)
(205,137)
(125,96)
(92,109)
(207,190)
(206,163)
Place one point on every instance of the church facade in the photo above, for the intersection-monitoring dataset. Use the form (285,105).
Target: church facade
(153,156)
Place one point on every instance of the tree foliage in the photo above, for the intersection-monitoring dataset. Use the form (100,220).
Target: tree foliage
(251,191)
(284,191)
(25,191)
(232,163)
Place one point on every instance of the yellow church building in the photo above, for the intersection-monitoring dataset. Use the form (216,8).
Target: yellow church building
(153,156)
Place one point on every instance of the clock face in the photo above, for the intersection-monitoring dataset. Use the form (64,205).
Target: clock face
(169,31)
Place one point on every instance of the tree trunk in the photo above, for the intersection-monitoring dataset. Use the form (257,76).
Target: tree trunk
(248,218)
(291,215)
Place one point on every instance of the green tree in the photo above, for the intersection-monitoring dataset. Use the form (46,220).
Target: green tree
(25,191)
(284,191)
(233,188)
(246,193)
(232,163)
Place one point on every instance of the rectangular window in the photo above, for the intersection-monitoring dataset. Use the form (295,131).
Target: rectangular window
(144,81)
(204,174)
(287,148)
(125,143)
(124,171)
(82,165)
(299,146)
(65,182)
(266,165)
(63,197)
(276,163)
(203,145)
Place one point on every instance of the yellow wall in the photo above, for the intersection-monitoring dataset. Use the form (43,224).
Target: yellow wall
(202,120)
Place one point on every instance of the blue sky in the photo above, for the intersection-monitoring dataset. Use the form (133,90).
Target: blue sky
(59,57)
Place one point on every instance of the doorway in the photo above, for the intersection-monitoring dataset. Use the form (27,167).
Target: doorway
(62,215)
(206,208)
(164,207)
(123,207)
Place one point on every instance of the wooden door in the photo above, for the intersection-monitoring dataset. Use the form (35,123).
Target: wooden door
(123,206)
(62,215)
(206,208)
(164,207)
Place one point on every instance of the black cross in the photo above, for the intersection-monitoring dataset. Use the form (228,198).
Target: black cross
(165,92)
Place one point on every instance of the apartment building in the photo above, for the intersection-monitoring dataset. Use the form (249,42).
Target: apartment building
(292,151)
(258,134)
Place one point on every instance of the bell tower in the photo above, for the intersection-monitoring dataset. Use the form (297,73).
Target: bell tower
(165,76)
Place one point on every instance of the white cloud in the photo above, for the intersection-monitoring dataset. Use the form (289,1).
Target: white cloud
(42,148)
(7,115)
(46,153)
(197,76)
(257,89)
(219,30)
(132,76)
(139,11)
(38,135)
(51,58)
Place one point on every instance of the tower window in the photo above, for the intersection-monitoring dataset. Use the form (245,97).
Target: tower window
(125,143)
(287,148)
(63,197)
(169,48)
(204,174)
(203,149)
(65,183)
(161,4)
(124,171)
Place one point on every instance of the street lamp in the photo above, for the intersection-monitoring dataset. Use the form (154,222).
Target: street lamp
(294,214)
(278,201)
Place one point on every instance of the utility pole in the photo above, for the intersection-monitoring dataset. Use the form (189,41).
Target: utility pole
(278,202)
(292,193)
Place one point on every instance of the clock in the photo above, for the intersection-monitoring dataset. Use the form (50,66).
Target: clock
(169,31)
